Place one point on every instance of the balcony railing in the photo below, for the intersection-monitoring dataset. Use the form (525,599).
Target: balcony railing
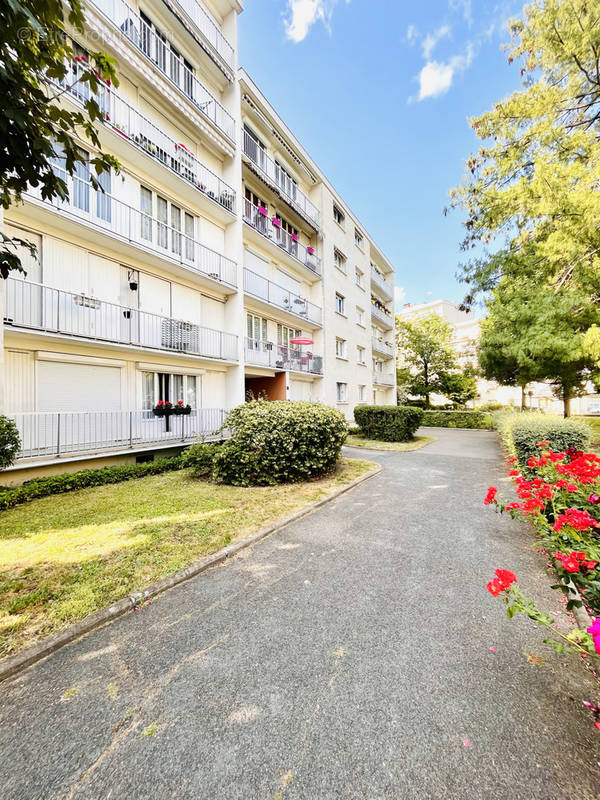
(101,210)
(127,121)
(52,434)
(384,348)
(209,30)
(387,320)
(167,61)
(281,297)
(275,175)
(383,379)
(32,305)
(264,224)
(379,282)
(278,356)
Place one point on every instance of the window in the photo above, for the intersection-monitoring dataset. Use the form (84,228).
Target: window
(176,232)
(157,386)
(284,334)
(339,259)
(359,278)
(146,216)
(169,221)
(340,348)
(341,392)
(155,45)
(340,303)
(81,185)
(189,236)
(358,239)
(251,210)
(360,316)
(256,328)
(162,215)
(254,148)
(291,240)
(338,215)
(285,181)
(362,394)
(103,199)
(360,354)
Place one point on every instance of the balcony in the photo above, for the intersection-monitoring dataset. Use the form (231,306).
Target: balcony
(70,434)
(263,224)
(33,306)
(270,171)
(277,356)
(384,317)
(103,212)
(126,122)
(383,348)
(172,66)
(383,379)
(280,297)
(379,283)
(211,34)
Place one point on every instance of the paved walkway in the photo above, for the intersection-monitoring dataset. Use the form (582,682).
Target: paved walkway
(345,657)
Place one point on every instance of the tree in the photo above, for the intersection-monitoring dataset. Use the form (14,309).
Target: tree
(537,334)
(35,62)
(425,346)
(531,191)
(459,387)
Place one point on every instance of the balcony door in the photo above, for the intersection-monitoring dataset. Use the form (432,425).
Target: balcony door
(25,304)
(254,148)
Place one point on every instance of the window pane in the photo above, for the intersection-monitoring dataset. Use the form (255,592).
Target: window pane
(103,200)
(176,226)
(146,209)
(162,224)
(147,390)
(81,188)
(189,237)
(192,394)
(177,388)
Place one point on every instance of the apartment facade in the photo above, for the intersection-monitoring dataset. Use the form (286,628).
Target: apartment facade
(207,271)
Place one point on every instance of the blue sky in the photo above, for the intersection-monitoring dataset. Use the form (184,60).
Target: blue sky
(410,75)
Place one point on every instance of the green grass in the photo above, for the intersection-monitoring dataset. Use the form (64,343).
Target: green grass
(65,556)
(594,423)
(356,440)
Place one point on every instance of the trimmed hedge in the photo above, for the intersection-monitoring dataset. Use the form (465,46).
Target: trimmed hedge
(200,458)
(279,442)
(71,481)
(520,433)
(457,419)
(388,423)
(10,442)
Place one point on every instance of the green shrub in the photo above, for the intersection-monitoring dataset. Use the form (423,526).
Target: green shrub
(279,442)
(10,442)
(457,419)
(491,406)
(200,458)
(71,481)
(520,434)
(388,423)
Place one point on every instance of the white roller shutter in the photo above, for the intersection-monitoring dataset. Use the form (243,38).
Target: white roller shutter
(257,264)
(77,387)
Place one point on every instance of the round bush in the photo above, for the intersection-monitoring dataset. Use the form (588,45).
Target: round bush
(10,442)
(200,459)
(279,442)
(388,423)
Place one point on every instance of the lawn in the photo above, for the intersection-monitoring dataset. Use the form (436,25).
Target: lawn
(594,423)
(356,440)
(65,556)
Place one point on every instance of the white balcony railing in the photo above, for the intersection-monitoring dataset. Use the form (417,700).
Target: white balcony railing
(384,348)
(380,283)
(385,318)
(276,176)
(278,356)
(167,61)
(101,210)
(264,224)
(281,297)
(32,305)
(383,379)
(53,434)
(129,123)
(209,30)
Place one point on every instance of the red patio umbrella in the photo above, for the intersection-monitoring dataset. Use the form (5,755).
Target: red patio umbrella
(301,340)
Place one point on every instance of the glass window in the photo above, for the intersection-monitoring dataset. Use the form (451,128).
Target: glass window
(162,216)
(257,328)
(360,315)
(358,277)
(103,199)
(284,335)
(81,186)
(340,303)
(191,396)
(358,238)
(146,216)
(338,215)
(341,392)
(175,63)
(147,390)
(339,260)
(340,348)
(362,393)
(360,354)
(189,236)
(176,228)
(177,388)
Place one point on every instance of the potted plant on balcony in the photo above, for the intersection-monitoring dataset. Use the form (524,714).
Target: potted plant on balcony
(163,409)
(310,251)
(294,237)
(263,211)
(276,222)
(181,409)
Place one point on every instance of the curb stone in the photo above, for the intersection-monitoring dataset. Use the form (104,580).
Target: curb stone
(12,665)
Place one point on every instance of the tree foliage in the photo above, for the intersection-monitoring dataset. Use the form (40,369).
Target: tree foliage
(35,69)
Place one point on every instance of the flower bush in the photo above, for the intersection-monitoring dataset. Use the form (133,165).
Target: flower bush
(10,442)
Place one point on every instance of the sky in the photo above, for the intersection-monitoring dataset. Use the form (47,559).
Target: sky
(379,92)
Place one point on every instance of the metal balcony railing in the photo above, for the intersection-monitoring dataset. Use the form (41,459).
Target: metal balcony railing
(276,176)
(278,356)
(167,61)
(121,221)
(380,283)
(32,305)
(384,348)
(387,320)
(264,224)
(209,29)
(143,134)
(383,379)
(53,434)
(281,297)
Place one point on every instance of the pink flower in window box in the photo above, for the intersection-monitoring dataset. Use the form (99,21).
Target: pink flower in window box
(276,222)
(294,237)
(262,210)
(310,251)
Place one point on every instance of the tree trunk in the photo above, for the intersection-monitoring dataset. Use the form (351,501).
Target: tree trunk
(566,401)
(523,397)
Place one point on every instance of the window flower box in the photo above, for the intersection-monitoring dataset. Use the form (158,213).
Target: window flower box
(276,222)
(262,210)
(310,251)
(294,237)
(181,409)
(163,409)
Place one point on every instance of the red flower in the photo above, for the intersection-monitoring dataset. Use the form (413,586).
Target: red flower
(589,564)
(180,402)
(511,460)
(579,520)
(491,495)
(514,472)
(543,444)
(506,577)
(571,565)
(495,587)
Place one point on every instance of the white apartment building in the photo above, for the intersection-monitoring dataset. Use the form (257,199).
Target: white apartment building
(219,263)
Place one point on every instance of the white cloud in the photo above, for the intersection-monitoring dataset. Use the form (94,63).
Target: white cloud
(399,295)
(431,40)
(302,15)
(412,34)
(464,7)
(436,77)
